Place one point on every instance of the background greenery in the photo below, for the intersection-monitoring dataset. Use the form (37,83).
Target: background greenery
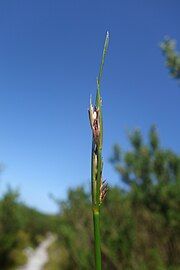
(20,227)
(140,220)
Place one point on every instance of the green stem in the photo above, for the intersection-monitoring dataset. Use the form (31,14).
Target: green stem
(93,175)
(96,166)
(97,240)
(98,175)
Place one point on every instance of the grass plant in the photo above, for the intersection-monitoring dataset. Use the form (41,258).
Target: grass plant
(98,185)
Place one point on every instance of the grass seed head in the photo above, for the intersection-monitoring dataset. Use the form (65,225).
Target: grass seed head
(94,118)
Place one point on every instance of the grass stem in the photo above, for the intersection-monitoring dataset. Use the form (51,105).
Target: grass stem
(98,186)
(97,240)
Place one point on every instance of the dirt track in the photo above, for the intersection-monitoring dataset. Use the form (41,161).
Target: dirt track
(38,258)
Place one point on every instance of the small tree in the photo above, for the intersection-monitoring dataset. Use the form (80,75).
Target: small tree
(151,174)
(12,239)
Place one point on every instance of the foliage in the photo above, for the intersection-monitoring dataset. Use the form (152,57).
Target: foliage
(152,176)
(20,227)
(11,237)
(172,57)
(75,231)
(54,261)
(140,220)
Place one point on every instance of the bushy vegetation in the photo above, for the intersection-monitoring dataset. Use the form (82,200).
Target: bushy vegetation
(172,57)
(140,218)
(20,227)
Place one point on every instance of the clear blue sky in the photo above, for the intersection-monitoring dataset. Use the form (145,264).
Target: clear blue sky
(49,57)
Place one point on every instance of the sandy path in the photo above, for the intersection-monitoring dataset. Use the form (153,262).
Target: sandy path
(39,257)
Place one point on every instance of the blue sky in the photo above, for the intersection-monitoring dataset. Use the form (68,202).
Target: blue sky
(49,57)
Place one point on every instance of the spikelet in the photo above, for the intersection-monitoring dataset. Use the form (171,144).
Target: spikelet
(103,190)
(94,122)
